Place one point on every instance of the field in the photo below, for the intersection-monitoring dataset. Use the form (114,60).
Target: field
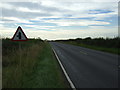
(30,64)
(110,45)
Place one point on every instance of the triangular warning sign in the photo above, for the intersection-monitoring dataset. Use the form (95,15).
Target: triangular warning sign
(19,35)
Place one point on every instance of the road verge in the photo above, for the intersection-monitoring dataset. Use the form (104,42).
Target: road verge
(64,71)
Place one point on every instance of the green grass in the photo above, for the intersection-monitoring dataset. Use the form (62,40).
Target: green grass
(47,73)
(37,68)
(105,49)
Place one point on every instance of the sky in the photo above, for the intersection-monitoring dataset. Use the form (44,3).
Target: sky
(59,19)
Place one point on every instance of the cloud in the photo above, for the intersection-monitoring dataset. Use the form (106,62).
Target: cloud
(53,19)
(71,22)
(56,8)
(32,10)
(5,5)
(36,5)
(61,0)
(22,9)
(14,20)
(18,14)
(38,27)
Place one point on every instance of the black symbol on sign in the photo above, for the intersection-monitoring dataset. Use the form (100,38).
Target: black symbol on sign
(19,35)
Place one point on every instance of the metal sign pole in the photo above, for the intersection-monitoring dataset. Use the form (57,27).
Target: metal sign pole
(20,54)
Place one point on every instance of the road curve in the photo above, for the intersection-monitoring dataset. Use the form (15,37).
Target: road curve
(88,68)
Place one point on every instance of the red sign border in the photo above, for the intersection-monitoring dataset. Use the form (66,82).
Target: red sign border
(16,33)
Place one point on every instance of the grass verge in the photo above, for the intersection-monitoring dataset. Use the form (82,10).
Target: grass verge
(37,68)
(47,72)
(105,49)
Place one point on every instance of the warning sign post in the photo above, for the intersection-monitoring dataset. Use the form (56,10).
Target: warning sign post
(19,36)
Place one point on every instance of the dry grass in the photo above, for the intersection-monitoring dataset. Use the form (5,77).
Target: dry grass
(19,64)
(34,66)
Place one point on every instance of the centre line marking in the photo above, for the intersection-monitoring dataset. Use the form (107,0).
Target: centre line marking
(83,52)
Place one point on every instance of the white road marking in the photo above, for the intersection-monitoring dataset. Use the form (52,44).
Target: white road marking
(83,52)
(70,82)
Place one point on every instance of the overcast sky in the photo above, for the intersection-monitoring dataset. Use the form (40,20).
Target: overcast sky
(60,19)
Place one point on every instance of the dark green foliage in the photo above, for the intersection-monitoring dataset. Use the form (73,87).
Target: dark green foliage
(102,42)
(110,45)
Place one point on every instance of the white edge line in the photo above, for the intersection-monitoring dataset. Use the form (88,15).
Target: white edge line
(70,82)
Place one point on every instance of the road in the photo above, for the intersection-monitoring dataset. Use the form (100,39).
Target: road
(88,68)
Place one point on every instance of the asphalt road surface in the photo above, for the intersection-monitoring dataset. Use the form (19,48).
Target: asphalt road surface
(88,68)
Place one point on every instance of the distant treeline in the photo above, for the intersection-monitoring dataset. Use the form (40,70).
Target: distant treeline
(28,38)
(102,42)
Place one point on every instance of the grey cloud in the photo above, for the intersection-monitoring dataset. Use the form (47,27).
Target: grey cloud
(6,20)
(47,11)
(25,4)
(25,15)
(38,6)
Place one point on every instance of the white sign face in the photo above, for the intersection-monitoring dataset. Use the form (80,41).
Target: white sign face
(19,35)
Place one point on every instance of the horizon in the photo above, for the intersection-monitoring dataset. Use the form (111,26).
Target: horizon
(66,39)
